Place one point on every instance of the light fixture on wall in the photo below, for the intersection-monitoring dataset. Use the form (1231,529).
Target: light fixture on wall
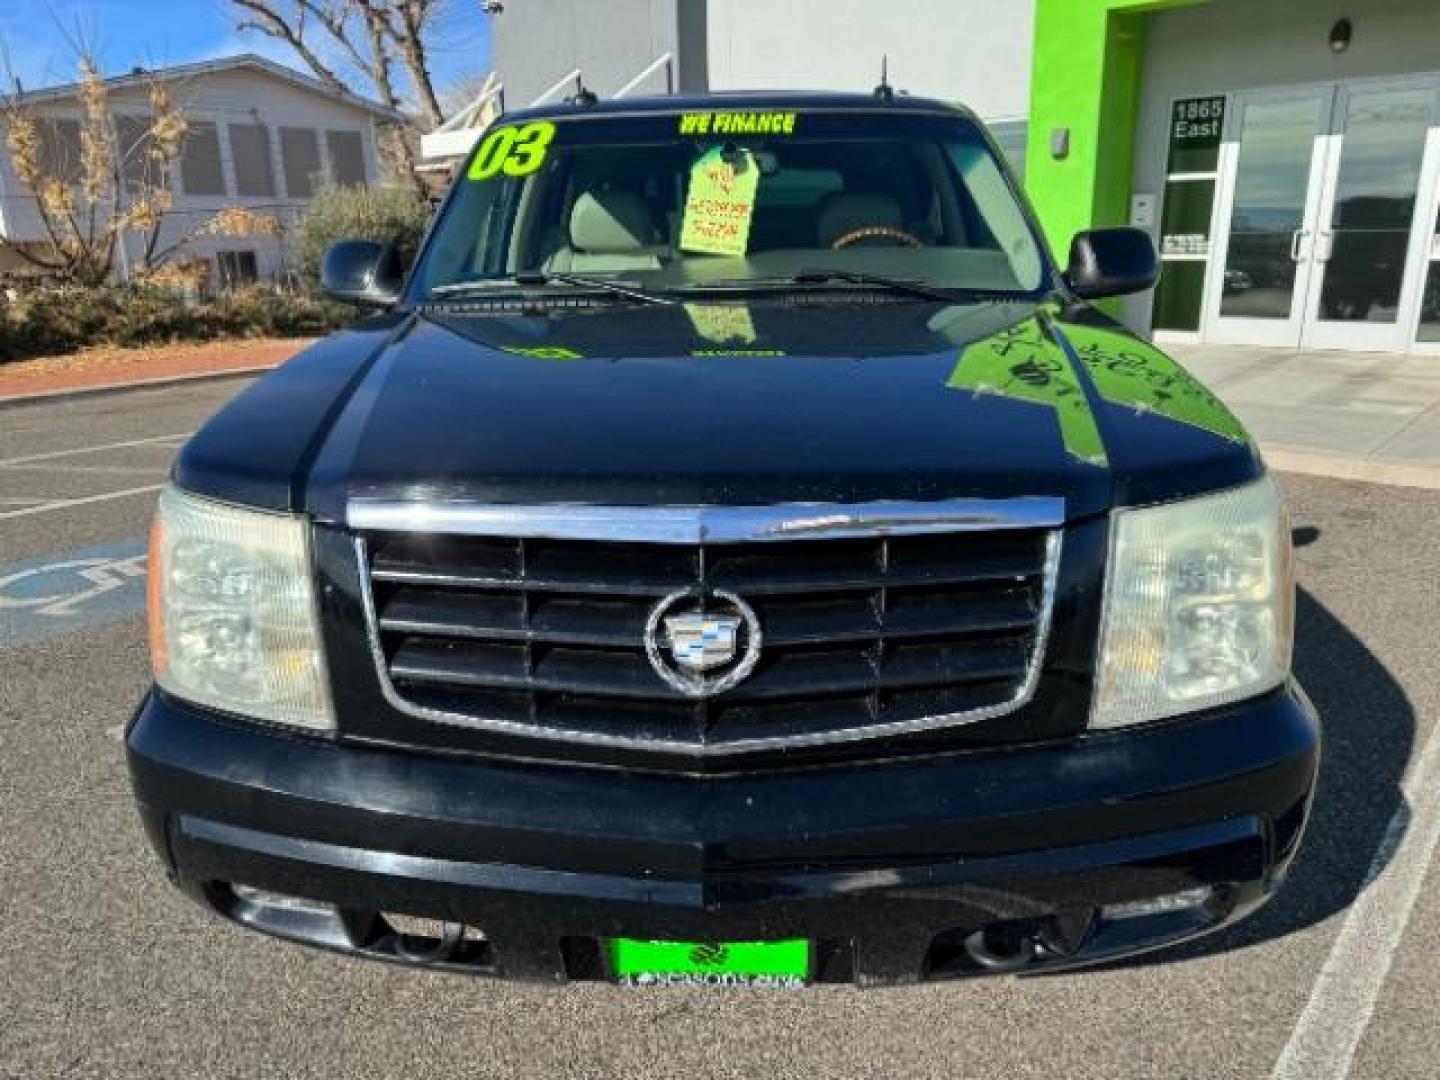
(1060,143)
(1340,36)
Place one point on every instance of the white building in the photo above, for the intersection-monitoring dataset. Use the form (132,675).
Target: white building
(261,137)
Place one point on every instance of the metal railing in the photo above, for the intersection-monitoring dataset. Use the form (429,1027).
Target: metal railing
(559,85)
(455,137)
(665,60)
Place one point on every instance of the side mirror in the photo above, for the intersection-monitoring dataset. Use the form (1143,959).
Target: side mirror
(1112,262)
(363,272)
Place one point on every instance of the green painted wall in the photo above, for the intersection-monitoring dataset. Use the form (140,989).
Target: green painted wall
(1085,77)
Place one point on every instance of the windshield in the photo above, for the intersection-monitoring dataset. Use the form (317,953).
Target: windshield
(687,201)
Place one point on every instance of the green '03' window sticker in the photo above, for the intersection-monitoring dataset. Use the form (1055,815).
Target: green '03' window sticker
(515,151)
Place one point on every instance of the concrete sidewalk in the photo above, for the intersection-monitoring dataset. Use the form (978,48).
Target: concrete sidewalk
(119,368)
(1357,416)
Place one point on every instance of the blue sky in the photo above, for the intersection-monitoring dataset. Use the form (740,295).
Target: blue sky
(37,35)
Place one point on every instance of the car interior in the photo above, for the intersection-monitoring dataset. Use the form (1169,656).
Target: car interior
(898,207)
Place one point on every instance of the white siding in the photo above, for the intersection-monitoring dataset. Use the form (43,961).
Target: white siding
(972,51)
(238,95)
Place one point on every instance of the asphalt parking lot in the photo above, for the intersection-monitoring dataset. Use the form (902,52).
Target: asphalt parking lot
(107,972)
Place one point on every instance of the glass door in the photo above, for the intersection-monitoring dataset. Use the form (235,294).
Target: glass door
(1369,252)
(1270,180)
(1427,334)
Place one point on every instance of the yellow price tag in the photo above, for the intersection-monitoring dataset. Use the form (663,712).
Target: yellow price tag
(720,204)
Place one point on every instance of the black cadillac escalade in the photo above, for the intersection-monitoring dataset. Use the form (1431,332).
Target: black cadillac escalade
(733,554)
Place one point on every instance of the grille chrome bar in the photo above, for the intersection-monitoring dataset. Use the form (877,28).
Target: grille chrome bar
(704,524)
(941,632)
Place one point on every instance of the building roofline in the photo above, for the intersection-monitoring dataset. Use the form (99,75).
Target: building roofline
(179,72)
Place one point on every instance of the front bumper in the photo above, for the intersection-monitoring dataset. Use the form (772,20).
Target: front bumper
(887,867)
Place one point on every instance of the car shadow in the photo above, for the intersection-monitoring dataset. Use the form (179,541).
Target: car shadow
(1368,727)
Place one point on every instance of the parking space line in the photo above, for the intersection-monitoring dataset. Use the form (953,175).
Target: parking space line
(1323,1044)
(65,504)
(53,454)
(51,467)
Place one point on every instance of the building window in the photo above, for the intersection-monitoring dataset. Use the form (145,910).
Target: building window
(132,145)
(250,149)
(59,148)
(347,157)
(300,153)
(238,268)
(201,172)
(1013,138)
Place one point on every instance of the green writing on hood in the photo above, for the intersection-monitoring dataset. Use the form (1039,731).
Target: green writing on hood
(1133,374)
(1022,364)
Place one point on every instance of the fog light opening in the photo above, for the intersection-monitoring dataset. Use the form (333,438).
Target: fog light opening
(1002,947)
(278,901)
(1187,900)
(425,940)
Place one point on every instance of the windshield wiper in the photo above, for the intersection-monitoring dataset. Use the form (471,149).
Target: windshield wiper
(540,278)
(857,277)
(583,281)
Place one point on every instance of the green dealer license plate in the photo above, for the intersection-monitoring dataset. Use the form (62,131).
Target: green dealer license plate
(710,963)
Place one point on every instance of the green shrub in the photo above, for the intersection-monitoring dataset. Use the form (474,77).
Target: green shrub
(257,311)
(390,215)
(148,315)
(60,319)
(9,343)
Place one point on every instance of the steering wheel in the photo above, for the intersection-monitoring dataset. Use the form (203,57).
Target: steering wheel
(871,232)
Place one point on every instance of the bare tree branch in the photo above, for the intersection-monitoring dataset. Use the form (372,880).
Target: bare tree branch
(270,21)
(383,41)
(408,29)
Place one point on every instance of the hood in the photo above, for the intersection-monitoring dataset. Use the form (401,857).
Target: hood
(771,402)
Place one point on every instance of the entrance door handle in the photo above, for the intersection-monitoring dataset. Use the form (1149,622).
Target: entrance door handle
(1297,239)
(1324,245)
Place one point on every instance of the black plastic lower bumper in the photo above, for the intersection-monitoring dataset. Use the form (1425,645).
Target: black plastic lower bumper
(888,868)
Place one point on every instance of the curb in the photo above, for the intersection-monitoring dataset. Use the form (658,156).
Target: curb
(41,396)
(1340,467)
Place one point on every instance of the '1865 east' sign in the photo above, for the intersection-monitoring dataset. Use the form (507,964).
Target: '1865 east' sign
(1198,121)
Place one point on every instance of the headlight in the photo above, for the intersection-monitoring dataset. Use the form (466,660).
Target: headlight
(232,612)
(1199,606)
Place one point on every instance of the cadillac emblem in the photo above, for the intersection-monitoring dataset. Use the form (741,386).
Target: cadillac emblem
(702,643)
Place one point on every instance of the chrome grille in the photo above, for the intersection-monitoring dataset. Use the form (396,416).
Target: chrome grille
(915,626)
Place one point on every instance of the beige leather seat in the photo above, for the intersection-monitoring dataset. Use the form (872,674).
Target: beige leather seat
(610,231)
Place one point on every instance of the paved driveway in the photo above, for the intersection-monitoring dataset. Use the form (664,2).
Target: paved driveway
(107,972)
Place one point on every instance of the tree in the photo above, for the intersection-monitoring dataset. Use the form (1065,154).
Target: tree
(378,39)
(85,207)
(116,186)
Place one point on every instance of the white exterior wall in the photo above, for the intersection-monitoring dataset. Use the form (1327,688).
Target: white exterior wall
(1232,45)
(973,51)
(239,95)
(537,42)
